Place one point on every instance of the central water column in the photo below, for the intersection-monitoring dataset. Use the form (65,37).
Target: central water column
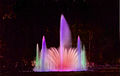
(65,38)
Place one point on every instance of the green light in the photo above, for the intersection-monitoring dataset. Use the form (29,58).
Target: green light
(83,58)
(37,55)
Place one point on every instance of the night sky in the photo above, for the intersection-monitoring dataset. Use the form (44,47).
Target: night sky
(28,20)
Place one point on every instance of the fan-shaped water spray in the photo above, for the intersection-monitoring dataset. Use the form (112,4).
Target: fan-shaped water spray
(65,58)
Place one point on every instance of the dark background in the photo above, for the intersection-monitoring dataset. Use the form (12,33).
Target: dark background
(24,22)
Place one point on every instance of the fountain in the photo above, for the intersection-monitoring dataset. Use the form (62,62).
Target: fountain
(63,58)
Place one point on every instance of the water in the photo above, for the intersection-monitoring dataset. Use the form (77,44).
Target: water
(64,58)
(65,37)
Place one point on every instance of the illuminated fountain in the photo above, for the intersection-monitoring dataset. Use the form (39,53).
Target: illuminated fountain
(63,58)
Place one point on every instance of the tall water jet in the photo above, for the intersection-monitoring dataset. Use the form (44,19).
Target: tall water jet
(43,55)
(65,37)
(79,52)
(83,59)
(37,61)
